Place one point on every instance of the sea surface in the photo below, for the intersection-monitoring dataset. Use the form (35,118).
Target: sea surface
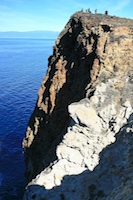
(23,65)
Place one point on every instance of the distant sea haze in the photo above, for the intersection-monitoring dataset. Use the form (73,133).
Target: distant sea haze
(30,34)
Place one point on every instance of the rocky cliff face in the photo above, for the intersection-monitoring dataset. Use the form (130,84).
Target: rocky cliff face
(78,143)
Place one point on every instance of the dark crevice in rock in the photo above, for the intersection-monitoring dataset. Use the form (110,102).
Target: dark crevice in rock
(106,28)
(105,46)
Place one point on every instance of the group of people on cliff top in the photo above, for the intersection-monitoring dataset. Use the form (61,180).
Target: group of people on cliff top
(89,11)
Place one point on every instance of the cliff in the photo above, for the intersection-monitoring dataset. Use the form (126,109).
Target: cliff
(78,143)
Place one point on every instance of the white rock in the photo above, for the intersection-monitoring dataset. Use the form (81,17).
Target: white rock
(72,155)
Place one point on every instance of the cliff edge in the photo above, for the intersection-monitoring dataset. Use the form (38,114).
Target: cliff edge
(78,143)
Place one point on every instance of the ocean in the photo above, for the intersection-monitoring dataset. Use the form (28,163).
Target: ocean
(23,65)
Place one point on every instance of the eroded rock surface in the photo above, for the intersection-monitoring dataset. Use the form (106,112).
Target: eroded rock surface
(78,143)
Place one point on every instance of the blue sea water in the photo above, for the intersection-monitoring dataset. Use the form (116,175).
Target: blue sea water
(23,64)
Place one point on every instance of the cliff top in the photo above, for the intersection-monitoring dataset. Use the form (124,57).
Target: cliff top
(84,22)
(102,18)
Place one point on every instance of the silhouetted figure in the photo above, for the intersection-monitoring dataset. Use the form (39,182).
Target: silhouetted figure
(106,12)
(96,11)
(88,10)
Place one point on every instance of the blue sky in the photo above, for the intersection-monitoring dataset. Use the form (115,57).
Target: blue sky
(30,15)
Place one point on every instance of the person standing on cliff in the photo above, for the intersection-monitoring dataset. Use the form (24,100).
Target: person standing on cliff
(88,10)
(106,12)
(95,11)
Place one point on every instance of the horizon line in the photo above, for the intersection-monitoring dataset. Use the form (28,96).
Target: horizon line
(30,31)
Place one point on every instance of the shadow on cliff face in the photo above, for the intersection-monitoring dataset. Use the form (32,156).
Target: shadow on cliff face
(53,126)
(114,169)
